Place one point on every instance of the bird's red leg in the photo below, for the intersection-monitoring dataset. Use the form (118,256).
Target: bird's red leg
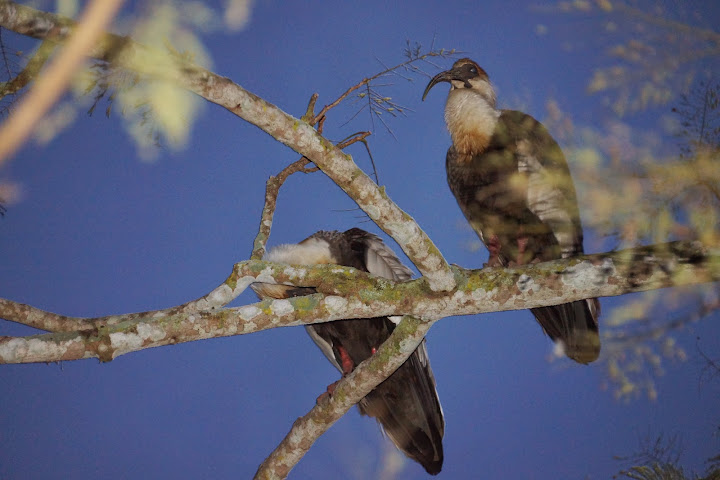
(346,362)
(522,245)
(493,246)
(347,365)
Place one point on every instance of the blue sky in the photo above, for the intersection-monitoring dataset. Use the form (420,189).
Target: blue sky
(100,231)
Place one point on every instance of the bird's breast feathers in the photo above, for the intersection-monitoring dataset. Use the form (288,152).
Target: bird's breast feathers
(470,120)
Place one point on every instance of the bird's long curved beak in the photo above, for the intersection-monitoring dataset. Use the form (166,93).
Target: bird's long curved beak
(445,76)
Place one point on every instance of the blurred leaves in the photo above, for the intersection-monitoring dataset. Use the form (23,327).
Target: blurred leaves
(154,111)
(637,187)
(237,14)
(652,57)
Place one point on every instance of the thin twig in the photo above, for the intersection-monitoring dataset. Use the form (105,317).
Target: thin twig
(362,137)
(309,112)
(272,189)
(32,68)
(355,137)
(366,81)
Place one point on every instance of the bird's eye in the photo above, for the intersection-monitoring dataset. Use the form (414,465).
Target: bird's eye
(473,70)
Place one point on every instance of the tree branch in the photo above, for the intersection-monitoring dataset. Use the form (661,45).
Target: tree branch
(350,390)
(52,322)
(293,132)
(345,293)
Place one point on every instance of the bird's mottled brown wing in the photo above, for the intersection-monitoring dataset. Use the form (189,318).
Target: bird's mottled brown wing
(551,198)
(519,197)
(549,189)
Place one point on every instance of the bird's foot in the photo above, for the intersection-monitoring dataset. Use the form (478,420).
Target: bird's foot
(493,246)
(493,261)
(325,396)
(522,243)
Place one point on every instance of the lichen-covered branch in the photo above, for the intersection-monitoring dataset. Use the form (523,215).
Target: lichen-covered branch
(348,293)
(349,391)
(293,132)
(52,322)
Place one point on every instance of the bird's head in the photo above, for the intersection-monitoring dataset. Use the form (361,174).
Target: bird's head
(465,74)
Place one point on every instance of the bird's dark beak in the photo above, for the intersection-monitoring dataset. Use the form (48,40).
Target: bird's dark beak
(445,76)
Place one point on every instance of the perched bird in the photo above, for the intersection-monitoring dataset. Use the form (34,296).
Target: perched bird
(512,182)
(406,404)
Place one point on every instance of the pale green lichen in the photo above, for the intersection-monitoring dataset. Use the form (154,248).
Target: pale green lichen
(231,281)
(304,306)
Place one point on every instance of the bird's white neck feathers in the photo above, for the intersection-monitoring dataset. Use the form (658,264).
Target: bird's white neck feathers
(471,117)
(312,251)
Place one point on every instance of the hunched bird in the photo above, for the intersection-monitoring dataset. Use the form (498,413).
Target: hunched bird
(512,182)
(406,405)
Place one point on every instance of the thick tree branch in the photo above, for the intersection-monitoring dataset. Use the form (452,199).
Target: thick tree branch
(348,293)
(302,138)
(295,133)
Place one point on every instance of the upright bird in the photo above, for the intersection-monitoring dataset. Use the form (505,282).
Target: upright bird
(512,182)
(406,404)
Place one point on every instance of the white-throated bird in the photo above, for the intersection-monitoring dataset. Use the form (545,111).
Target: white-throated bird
(406,404)
(511,180)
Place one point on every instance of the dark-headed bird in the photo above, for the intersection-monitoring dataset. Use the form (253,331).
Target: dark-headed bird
(406,404)
(512,182)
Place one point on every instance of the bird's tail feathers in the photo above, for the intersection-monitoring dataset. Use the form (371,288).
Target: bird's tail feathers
(574,326)
(409,411)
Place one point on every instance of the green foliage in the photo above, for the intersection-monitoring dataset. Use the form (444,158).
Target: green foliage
(651,59)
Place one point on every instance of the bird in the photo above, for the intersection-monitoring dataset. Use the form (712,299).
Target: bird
(512,183)
(406,404)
